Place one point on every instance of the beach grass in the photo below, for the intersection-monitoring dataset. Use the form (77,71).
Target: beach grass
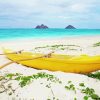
(89,93)
(95,75)
(60,47)
(96,44)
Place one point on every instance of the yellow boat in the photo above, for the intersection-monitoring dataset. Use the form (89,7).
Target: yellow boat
(65,63)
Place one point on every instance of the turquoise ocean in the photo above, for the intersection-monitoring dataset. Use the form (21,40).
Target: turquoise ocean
(9,34)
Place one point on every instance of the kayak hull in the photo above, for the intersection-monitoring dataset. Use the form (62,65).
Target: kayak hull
(82,64)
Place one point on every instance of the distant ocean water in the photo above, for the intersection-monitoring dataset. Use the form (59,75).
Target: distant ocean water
(6,34)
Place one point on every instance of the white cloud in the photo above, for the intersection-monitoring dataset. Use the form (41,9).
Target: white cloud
(78,8)
(51,11)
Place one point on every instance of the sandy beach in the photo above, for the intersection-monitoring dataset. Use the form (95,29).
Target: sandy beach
(49,49)
(83,41)
(37,89)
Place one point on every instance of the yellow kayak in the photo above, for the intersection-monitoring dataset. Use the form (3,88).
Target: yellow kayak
(65,63)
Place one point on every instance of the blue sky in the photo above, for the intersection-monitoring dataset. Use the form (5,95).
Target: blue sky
(53,13)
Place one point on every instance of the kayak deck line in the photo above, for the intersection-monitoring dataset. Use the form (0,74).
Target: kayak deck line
(16,52)
(47,55)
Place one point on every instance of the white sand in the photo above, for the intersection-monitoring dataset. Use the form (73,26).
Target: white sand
(40,91)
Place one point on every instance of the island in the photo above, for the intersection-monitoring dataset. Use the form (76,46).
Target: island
(42,26)
(70,27)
